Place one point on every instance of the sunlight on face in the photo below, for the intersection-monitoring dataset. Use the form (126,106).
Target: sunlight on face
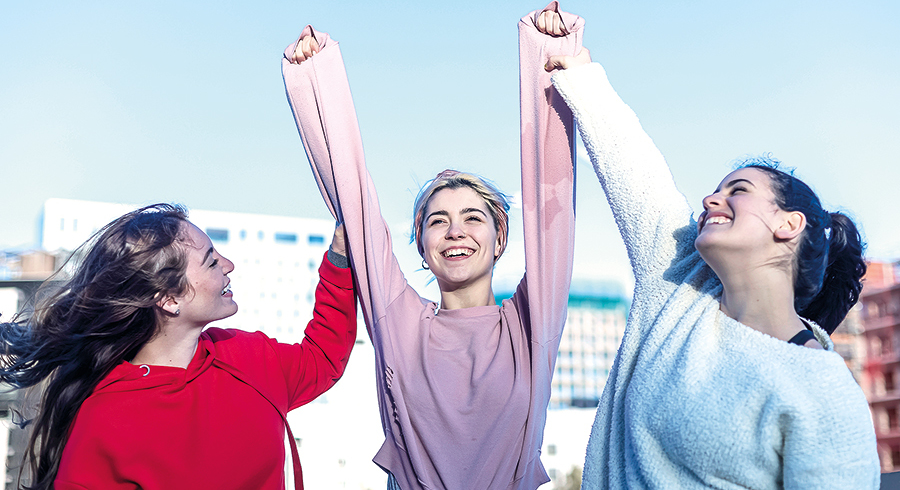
(459,238)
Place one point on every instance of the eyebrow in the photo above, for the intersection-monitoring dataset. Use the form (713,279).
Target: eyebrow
(472,210)
(208,253)
(461,211)
(735,182)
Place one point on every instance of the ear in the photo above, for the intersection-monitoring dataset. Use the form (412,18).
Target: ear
(793,225)
(168,304)
(498,247)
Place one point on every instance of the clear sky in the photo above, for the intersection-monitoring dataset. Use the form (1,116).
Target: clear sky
(183,101)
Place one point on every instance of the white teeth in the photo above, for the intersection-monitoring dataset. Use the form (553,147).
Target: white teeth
(717,220)
(457,252)
(226,290)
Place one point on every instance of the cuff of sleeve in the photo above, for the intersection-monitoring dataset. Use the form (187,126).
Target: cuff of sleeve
(337,259)
(340,277)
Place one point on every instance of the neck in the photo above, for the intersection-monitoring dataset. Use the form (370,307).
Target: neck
(172,346)
(760,297)
(467,297)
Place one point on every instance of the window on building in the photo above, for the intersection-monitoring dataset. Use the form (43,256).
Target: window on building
(895,456)
(217,234)
(889,381)
(286,238)
(243,234)
(892,418)
(316,240)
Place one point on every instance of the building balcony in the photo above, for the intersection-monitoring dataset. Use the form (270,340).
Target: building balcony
(890,437)
(880,322)
(884,360)
(889,397)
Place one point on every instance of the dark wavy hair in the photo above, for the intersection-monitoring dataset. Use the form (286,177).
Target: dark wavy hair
(103,315)
(828,262)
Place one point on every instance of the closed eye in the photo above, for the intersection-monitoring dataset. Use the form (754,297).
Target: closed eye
(474,218)
(215,262)
(436,221)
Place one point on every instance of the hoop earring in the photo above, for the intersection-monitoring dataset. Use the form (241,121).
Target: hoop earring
(424,265)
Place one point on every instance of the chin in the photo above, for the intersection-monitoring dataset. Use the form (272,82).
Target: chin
(705,248)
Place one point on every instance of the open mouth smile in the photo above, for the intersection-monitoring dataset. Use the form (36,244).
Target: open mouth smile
(457,252)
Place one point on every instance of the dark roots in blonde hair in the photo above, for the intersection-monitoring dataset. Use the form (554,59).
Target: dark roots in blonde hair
(98,318)
(828,263)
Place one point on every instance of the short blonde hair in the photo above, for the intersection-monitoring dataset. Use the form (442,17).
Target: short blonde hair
(497,203)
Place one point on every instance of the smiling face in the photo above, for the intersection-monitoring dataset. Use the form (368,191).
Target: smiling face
(209,296)
(459,239)
(741,216)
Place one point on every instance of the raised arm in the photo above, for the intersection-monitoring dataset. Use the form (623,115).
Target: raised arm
(647,206)
(319,95)
(548,172)
(330,335)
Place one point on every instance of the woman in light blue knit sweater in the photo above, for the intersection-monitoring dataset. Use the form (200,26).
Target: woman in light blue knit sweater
(726,376)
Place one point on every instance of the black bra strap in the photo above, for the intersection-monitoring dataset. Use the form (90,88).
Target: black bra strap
(802,337)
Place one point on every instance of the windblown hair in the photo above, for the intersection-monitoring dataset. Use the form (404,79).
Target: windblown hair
(497,203)
(828,262)
(100,317)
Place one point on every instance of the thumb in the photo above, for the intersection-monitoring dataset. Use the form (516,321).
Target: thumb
(557,62)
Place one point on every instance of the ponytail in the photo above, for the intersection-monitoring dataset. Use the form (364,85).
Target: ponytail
(842,281)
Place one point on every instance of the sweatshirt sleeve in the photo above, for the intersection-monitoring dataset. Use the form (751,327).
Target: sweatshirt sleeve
(319,96)
(315,365)
(548,175)
(653,217)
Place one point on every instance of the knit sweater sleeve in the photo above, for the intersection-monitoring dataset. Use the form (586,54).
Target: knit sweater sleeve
(653,217)
(320,99)
(548,175)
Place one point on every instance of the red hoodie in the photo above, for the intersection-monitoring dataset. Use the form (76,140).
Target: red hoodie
(220,423)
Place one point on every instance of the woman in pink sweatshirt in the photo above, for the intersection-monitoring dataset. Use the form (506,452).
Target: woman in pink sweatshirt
(463,384)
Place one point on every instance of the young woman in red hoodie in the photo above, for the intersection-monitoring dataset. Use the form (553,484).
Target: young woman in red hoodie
(136,394)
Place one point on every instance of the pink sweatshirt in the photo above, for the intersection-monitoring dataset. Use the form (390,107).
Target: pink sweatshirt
(463,393)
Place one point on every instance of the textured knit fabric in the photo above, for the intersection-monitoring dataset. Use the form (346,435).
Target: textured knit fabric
(462,393)
(696,399)
(221,422)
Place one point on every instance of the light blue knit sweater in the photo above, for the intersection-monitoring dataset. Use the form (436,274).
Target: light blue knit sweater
(696,399)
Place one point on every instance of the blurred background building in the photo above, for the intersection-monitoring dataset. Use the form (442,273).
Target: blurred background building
(879,315)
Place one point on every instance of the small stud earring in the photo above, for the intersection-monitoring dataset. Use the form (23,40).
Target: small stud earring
(177,312)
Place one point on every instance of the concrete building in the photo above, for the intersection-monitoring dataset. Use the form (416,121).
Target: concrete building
(880,315)
(587,349)
(597,313)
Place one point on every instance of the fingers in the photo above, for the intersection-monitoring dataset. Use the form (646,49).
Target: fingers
(339,242)
(563,62)
(305,48)
(550,22)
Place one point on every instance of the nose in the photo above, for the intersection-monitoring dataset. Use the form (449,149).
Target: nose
(227,266)
(455,231)
(711,200)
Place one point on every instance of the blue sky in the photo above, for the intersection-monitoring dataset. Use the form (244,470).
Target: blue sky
(183,101)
